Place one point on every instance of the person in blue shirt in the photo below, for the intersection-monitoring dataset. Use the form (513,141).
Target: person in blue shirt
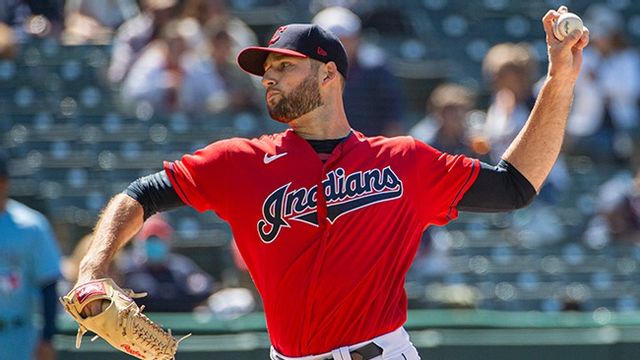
(29,270)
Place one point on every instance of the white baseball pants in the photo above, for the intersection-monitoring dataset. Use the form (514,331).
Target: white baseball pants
(395,345)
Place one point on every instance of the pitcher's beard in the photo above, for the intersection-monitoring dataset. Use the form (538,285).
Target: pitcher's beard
(301,100)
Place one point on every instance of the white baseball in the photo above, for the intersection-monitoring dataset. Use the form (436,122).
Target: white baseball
(565,24)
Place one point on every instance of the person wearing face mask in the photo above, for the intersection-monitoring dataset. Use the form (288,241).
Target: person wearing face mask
(174,283)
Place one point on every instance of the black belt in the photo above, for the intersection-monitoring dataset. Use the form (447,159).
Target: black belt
(366,352)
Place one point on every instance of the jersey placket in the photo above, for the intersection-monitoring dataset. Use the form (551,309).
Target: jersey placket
(323,226)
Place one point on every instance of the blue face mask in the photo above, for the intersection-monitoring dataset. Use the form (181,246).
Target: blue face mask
(156,250)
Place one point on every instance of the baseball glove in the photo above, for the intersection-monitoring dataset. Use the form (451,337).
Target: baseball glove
(121,323)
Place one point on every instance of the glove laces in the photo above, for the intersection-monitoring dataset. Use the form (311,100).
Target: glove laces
(149,335)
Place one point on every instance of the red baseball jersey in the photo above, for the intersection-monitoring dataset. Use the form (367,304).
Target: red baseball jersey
(328,244)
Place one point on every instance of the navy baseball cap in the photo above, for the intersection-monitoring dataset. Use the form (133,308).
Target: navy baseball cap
(299,40)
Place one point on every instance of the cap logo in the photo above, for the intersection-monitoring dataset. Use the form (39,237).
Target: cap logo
(276,35)
(321,51)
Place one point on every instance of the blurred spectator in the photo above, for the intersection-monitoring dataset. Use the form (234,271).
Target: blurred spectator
(136,33)
(214,14)
(373,97)
(511,70)
(29,272)
(174,283)
(8,45)
(617,212)
(240,93)
(445,126)
(90,21)
(171,77)
(605,108)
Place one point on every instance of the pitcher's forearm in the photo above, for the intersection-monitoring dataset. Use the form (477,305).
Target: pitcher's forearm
(536,148)
(119,222)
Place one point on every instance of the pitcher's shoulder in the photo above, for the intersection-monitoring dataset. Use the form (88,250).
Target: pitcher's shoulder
(405,143)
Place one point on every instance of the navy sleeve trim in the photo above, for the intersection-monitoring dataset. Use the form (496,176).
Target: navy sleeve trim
(155,193)
(498,188)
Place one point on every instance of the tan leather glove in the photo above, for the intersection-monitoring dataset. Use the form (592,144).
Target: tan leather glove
(121,323)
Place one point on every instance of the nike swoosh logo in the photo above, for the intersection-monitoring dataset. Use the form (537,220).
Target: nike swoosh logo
(268,159)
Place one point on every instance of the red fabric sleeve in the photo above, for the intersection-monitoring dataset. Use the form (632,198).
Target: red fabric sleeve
(200,178)
(442,180)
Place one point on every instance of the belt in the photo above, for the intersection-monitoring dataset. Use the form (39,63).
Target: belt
(366,352)
(16,322)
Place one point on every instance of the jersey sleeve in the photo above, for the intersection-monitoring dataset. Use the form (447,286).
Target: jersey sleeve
(442,180)
(46,261)
(200,178)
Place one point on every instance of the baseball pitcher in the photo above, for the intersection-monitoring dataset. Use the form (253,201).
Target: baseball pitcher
(327,220)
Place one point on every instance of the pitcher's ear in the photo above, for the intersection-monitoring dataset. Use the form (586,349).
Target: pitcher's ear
(330,72)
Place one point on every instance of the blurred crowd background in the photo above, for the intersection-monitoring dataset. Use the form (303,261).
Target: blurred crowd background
(94,94)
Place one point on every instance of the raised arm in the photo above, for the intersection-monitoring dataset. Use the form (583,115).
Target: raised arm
(534,151)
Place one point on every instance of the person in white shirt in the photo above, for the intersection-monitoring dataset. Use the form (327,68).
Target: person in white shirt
(605,109)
